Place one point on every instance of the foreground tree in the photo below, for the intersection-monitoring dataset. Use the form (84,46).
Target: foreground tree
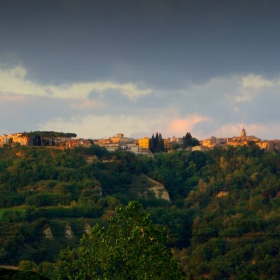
(131,247)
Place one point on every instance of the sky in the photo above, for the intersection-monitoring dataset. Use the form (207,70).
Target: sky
(101,67)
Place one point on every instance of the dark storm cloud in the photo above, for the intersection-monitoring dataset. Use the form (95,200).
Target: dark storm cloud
(164,44)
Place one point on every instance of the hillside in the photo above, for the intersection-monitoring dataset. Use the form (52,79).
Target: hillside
(49,197)
(221,214)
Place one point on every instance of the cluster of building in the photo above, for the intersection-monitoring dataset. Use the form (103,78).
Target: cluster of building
(142,145)
(235,141)
(14,138)
(24,140)
(117,142)
(137,146)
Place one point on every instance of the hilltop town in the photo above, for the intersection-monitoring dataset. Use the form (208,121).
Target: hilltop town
(61,140)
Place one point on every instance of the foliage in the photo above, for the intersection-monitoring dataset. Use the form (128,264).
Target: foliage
(48,270)
(27,265)
(189,141)
(130,248)
(222,221)
(10,274)
(45,138)
(156,143)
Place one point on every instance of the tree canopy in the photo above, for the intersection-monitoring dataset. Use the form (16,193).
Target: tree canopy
(222,219)
(131,247)
(45,138)
(188,140)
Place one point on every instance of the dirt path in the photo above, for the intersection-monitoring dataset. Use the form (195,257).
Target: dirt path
(9,267)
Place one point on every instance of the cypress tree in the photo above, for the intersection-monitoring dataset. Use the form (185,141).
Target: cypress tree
(156,142)
(152,143)
(160,143)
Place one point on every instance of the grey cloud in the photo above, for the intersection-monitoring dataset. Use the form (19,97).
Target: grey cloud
(28,111)
(9,60)
(264,108)
(168,43)
(49,91)
(212,101)
(111,97)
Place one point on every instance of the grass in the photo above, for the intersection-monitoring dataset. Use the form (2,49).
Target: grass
(17,208)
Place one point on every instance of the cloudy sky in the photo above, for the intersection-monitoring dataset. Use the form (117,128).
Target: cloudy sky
(100,67)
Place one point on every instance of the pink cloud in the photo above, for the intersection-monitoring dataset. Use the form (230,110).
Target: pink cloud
(179,127)
(86,104)
(10,97)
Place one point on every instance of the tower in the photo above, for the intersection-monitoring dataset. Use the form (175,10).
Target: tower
(243,132)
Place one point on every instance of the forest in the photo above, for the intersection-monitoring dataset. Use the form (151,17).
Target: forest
(221,221)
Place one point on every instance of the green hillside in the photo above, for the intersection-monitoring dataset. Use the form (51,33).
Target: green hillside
(222,216)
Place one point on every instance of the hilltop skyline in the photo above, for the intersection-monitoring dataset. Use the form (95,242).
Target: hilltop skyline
(137,67)
(242,135)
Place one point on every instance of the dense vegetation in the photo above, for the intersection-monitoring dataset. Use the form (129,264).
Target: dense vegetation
(130,247)
(222,220)
(11,274)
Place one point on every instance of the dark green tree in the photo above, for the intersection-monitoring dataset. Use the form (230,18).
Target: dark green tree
(187,140)
(131,247)
(160,143)
(156,139)
(195,142)
(152,143)
(156,143)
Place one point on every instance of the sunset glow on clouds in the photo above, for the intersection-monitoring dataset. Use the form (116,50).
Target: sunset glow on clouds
(202,103)
(8,98)
(252,129)
(83,104)
(181,126)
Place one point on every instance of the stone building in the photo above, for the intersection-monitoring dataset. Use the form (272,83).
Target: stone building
(243,139)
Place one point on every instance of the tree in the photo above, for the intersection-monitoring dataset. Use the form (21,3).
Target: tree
(195,142)
(160,145)
(27,266)
(152,143)
(187,140)
(47,269)
(131,247)
(156,143)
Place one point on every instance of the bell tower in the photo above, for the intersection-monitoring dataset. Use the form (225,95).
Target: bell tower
(243,132)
